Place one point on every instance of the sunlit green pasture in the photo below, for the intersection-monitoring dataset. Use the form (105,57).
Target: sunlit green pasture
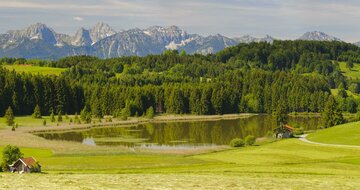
(28,121)
(282,165)
(35,69)
(347,134)
(353,73)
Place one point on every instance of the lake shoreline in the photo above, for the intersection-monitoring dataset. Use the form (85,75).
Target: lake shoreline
(136,121)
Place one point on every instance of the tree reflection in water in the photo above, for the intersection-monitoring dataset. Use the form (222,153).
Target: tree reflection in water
(180,134)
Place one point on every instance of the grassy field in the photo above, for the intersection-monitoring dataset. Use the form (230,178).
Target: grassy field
(352,74)
(35,69)
(285,164)
(347,134)
(335,92)
(28,121)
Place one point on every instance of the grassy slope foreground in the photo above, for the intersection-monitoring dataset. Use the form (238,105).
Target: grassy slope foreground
(347,134)
(287,164)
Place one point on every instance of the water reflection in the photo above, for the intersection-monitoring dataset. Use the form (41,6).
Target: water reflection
(89,141)
(179,134)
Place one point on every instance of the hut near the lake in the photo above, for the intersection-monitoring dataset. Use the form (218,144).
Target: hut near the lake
(284,131)
(25,165)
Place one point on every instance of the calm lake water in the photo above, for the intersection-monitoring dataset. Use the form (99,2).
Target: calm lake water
(179,134)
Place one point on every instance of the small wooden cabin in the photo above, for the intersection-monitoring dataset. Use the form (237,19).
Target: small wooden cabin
(25,165)
(284,131)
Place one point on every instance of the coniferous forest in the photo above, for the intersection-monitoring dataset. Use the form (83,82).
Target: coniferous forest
(255,77)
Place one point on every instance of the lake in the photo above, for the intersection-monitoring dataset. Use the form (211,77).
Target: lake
(179,134)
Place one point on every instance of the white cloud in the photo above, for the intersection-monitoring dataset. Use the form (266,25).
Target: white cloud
(282,18)
(77,18)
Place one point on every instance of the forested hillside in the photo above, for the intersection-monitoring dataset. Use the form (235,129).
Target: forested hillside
(296,76)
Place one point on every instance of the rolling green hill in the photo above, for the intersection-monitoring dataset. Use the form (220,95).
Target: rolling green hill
(347,134)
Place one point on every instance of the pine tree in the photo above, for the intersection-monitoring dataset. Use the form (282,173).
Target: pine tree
(280,115)
(183,53)
(88,117)
(59,118)
(37,112)
(332,114)
(84,113)
(9,116)
(52,116)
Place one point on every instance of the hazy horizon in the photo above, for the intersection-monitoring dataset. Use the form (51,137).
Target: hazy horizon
(233,18)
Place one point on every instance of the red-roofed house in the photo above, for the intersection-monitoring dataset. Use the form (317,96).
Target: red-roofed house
(285,131)
(25,165)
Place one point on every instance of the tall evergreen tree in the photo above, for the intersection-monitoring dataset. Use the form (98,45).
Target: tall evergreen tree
(52,117)
(332,114)
(280,115)
(9,116)
(37,112)
(59,118)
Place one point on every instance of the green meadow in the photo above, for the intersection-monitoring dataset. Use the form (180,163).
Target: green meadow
(335,92)
(35,69)
(285,164)
(352,74)
(346,134)
(272,164)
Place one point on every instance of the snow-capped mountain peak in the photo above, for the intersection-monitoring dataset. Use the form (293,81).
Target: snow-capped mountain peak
(101,31)
(36,31)
(81,38)
(318,36)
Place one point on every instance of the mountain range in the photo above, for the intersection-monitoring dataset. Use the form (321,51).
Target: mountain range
(42,42)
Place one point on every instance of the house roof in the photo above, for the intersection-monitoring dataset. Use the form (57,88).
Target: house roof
(289,127)
(30,161)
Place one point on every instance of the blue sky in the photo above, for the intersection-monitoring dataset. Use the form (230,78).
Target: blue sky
(286,19)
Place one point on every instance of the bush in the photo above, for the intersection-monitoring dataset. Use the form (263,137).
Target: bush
(250,140)
(3,167)
(36,168)
(76,118)
(237,142)
(108,119)
(150,113)
(125,113)
(88,117)
(9,155)
(298,131)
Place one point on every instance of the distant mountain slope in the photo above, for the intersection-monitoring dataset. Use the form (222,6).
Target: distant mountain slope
(40,41)
(318,36)
(249,39)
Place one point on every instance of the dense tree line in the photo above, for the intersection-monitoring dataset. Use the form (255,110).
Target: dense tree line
(238,91)
(254,77)
(22,92)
